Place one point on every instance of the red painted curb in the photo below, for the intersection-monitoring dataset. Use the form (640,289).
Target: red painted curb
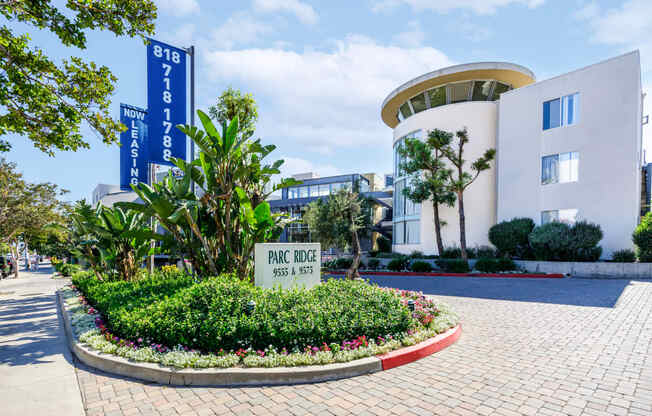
(509,275)
(423,349)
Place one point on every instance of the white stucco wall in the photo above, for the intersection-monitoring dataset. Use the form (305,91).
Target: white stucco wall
(607,137)
(480,119)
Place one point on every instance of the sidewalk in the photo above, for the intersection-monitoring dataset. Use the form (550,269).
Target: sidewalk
(36,372)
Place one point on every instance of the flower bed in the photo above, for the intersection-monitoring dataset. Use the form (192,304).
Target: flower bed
(177,322)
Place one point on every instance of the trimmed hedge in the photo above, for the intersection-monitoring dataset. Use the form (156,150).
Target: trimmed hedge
(495,265)
(453,265)
(212,314)
(373,264)
(511,237)
(558,241)
(420,266)
(623,256)
(399,264)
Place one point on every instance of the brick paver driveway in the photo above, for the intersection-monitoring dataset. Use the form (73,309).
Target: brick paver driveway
(544,347)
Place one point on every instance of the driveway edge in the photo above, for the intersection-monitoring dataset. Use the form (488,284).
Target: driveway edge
(231,377)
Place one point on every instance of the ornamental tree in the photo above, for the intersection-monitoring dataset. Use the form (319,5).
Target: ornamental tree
(231,104)
(461,179)
(46,101)
(339,221)
(425,161)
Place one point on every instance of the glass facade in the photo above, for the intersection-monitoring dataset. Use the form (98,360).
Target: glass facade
(406,214)
(477,90)
(325,189)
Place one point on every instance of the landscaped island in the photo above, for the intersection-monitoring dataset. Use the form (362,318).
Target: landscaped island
(172,319)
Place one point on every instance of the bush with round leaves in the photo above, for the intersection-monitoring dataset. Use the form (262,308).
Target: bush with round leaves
(420,266)
(623,256)
(559,241)
(399,264)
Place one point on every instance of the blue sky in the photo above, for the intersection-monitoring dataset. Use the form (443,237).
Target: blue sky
(320,69)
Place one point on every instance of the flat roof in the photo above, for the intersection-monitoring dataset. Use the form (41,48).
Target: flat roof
(515,75)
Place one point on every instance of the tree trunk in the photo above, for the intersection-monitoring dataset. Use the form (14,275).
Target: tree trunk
(435,214)
(14,253)
(353,272)
(460,206)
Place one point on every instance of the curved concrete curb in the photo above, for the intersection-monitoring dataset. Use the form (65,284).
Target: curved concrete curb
(434,274)
(228,377)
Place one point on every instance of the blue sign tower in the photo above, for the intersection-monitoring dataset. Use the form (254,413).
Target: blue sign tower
(133,149)
(166,101)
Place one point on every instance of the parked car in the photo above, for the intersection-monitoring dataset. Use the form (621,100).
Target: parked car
(6,266)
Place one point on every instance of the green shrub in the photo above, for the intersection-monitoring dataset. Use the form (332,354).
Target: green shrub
(485,252)
(384,244)
(451,253)
(511,237)
(373,253)
(373,264)
(487,265)
(558,241)
(399,264)
(421,267)
(212,314)
(453,265)
(623,256)
(642,237)
(68,269)
(416,254)
(343,263)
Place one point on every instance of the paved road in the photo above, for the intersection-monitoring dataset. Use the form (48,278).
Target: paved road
(36,372)
(529,347)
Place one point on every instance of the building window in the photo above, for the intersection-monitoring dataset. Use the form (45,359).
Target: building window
(499,89)
(303,192)
(568,216)
(419,103)
(481,90)
(405,110)
(293,192)
(324,190)
(437,97)
(460,92)
(561,111)
(560,168)
(407,232)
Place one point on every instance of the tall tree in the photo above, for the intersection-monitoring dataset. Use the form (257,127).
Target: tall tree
(25,208)
(340,221)
(460,179)
(47,101)
(234,104)
(425,161)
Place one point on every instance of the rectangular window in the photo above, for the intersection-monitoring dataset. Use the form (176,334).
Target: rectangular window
(324,189)
(314,190)
(499,89)
(481,90)
(570,109)
(405,110)
(412,232)
(562,111)
(568,216)
(293,193)
(561,168)
(303,192)
(399,233)
(551,114)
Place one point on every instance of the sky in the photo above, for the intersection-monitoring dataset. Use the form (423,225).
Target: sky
(319,70)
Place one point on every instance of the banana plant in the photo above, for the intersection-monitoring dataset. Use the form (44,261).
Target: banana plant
(228,161)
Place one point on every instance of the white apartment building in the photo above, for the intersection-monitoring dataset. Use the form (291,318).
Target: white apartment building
(567,148)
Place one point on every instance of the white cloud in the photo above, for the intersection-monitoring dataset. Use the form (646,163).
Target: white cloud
(183,36)
(443,6)
(472,31)
(240,28)
(178,7)
(411,38)
(324,100)
(628,26)
(294,165)
(303,11)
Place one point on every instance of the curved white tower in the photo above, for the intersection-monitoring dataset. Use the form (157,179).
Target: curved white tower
(450,99)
